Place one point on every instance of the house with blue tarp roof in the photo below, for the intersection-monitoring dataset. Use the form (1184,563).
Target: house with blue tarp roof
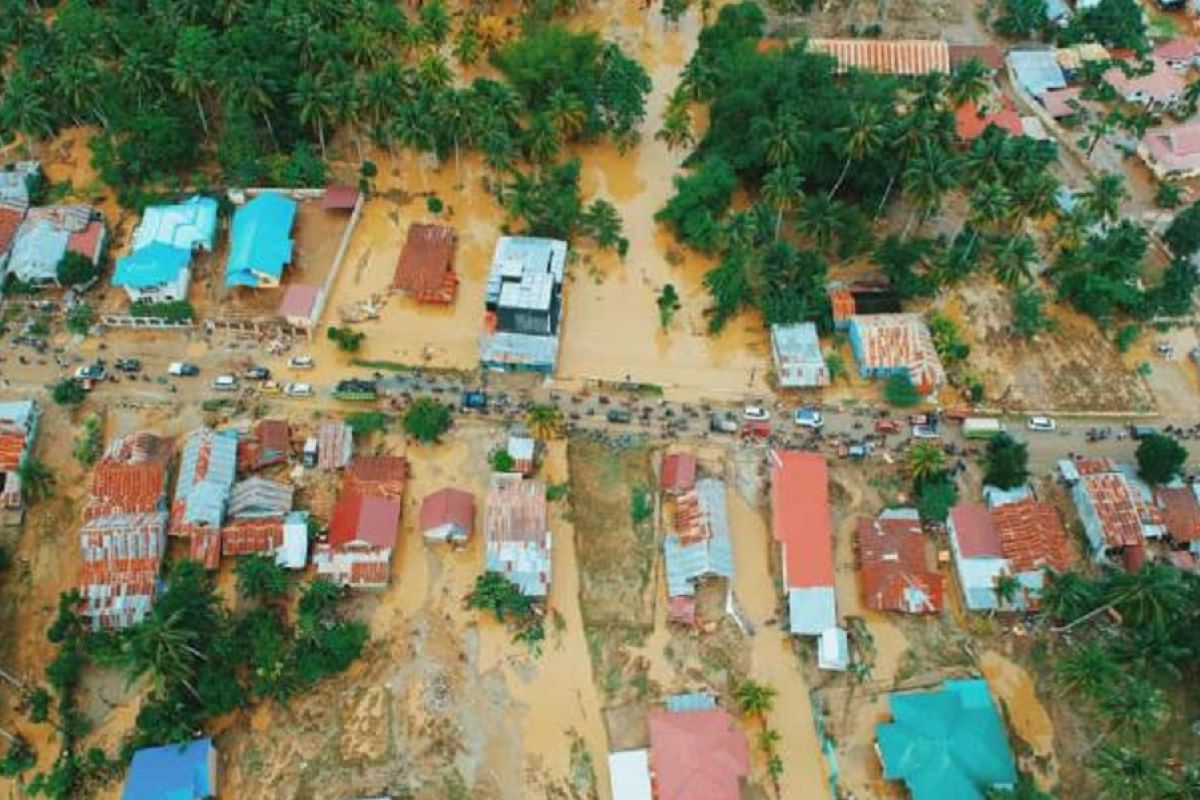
(185,771)
(261,241)
(158,267)
(946,744)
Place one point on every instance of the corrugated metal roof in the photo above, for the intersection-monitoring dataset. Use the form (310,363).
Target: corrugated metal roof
(678,473)
(1161,85)
(381,476)
(797,353)
(260,243)
(298,301)
(10,223)
(339,198)
(206,472)
(44,238)
(800,517)
(153,265)
(14,184)
(1036,71)
(17,422)
(886,56)
(173,772)
(896,570)
(897,341)
(1032,536)
(183,226)
(811,610)
(259,497)
(449,506)
(516,531)
(697,754)
(425,268)
(335,444)
(1114,506)
(700,547)
(504,349)
(972,527)
(363,518)
(1180,512)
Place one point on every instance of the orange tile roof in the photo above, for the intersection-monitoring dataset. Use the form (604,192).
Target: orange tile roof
(800,517)
(886,56)
(842,301)
(425,269)
(379,476)
(1032,536)
(970,122)
(1180,512)
(205,547)
(131,477)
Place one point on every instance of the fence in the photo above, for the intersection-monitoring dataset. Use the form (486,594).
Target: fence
(147,323)
(335,267)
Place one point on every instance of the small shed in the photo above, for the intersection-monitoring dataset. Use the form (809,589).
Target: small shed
(339,198)
(796,350)
(186,771)
(335,445)
(448,515)
(293,552)
(296,307)
(833,650)
(521,448)
(629,774)
(678,474)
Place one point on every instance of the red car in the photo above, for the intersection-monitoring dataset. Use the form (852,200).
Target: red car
(757,428)
(886,426)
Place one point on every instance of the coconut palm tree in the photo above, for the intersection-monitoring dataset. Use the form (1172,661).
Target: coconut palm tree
(990,203)
(36,478)
(1132,709)
(1007,589)
(969,82)
(782,189)
(544,421)
(781,138)
(1104,197)
(24,108)
(928,176)
(542,141)
(466,45)
(863,136)
(260,578)
(192,65)
(819,219)
(924,460)
(1153,597)
(454,115)
(568,114)
(1088,670)
(754,699)
(164,647)
(1124,773)
(1013,260)
(314,103)
(676,130)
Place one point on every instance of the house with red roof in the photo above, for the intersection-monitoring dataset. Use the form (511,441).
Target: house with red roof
(18,427)
(697,754)
(802,525)
(1179,507)
(678,473)
(124,533)
(425,270)
(978,559)
(1115,516)
(379,476)
(267,445)
(1172,152)
(1180,54)
(971,120)
(517,537)
(362,535)
(448,515)
(895,564)
(896,344)
(1158,87)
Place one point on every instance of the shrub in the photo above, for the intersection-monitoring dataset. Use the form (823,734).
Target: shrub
(426,420)
(348,340)
(75,269)
(68,392)
(502,462)
(170,310)
(900,392)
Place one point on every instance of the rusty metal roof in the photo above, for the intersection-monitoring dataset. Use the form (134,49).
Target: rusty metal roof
(886,56)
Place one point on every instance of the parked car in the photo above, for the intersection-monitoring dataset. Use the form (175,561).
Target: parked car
(474,400)
(225,383)
(925,432)
(808,418)
(723,423)
(270,387)
(618,415)
(301,362)
(1042,424)
(91,372)
(298,390)
(1140,432)
(257,373)
(184,369)
(886,426)
(756,413)
(129,365)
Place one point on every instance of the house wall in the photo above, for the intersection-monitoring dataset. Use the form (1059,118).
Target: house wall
(338,565)
(446,532)
(172,290)
(976,576)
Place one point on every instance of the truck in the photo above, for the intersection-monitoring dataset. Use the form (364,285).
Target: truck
(356,389)
(981,427)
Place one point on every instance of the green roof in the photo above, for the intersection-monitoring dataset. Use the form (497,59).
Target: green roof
(947,744)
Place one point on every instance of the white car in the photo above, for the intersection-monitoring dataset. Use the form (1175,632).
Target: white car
(225,383)
(298,390)
(301,362)
(756,413)
(808,418)
(1042,424)
(925,432)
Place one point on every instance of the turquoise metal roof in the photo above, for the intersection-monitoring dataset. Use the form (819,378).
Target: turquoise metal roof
(152,265)
(172,772)
(261,242)
(947,744)
(186,225)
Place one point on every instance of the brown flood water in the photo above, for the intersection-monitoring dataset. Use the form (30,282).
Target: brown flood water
(1013,688)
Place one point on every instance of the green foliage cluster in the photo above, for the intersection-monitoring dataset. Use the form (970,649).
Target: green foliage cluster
(494,592)
(899,391)
(427,419)
(948,340)
(641,505)
(37,479)
(1006,462)
(88,440)
(364,423)
(68,392)
(1122,670)
(1160,459)
(548,203)
(170,310)
(1183,234)
(1112,23)
(668,303)
(79,318)
(1020,19)
(501,461)
(1028,312)
(76,269)
(348,340)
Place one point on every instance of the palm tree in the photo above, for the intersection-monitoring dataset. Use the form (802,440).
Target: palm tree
(1013,260)
(568,114)
(990,203)
(466,46)
(1007,589)
(1126,774)
(542,142)
(36,479)
(754,699)
(924,460)
(860,138)
(1104,197)
(434,73)
(781,143)
(544,421)
(819,219)
(928,176)
(1152,597)
(931,93)
(1133,709)
(454,113)
(603,223)
(782,188)
(1088,670)
(1035,195)
(969,82)
(164,647)
(260,578)
(314,104)
(676,130)
(491,32)
(24,108)
(192,67)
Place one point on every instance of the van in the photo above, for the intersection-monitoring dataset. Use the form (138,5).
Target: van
(298,390)
(225,383)
(182,369)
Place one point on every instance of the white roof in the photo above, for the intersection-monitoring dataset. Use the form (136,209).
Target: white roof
(833,650)
(811,610)
(629,773)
